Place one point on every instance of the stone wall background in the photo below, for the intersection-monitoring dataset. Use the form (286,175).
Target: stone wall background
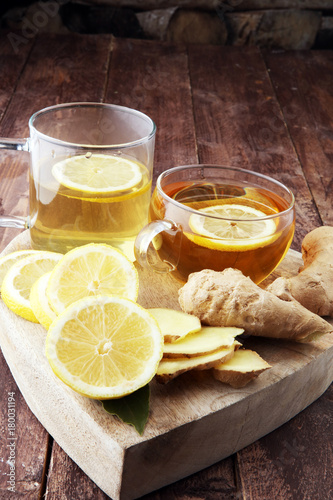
(279,24)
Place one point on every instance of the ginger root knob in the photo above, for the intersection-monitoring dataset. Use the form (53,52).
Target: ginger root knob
(228,298)
(313,286)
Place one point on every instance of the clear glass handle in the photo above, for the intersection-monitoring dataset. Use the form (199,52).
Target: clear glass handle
(14,221)
(17,145)
(150,240)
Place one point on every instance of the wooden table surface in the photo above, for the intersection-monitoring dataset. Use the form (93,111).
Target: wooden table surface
(267,111)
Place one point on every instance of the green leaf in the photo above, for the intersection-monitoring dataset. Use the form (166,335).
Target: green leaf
(132,409)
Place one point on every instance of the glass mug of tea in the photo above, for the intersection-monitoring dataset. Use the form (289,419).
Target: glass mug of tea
(215,217)
(90,175)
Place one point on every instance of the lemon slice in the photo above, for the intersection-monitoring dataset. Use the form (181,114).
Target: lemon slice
(97,173)
(232,227)
(39,302)
(8,260)
(93,269)
(104,347)
(17,283)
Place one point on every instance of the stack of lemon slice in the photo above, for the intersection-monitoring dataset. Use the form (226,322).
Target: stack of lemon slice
(100,342)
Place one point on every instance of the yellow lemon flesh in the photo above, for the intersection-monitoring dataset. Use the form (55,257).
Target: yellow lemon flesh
(17,283)
(96,174)
(104,347)
(8,260)
(232,227)
(93,269)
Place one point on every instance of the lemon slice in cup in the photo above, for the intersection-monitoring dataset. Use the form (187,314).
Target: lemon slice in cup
(104,347)
(97,174)
(232,227)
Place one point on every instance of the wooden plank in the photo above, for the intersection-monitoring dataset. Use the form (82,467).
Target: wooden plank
(239,122)
(21,457)
(153,78)
(60,74)
(303,85)
(11,65)
(214,483)
(280,465)
(66,478)
(195,431)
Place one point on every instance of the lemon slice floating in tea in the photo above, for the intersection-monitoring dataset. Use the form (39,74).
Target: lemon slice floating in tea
(93,269)
(98,174)
(232,227)
(104,347)
(17,283)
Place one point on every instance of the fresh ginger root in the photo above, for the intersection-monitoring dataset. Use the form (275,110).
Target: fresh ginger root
(313,286)
(228,298)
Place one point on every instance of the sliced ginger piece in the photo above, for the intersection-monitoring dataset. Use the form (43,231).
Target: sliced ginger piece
(243,367)
(175,324)
(208,339)
(171,368)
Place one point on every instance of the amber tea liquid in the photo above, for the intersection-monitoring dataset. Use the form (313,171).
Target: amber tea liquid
(63,218)
(189,253)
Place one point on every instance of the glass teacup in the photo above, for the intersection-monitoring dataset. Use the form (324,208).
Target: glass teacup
(90,175)
(215,217)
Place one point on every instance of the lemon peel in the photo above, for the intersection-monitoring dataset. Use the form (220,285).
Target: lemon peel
(39,302)
(17,283)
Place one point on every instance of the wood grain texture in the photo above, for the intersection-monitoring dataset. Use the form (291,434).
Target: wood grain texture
(67,481)
(241,124)
(217,481)
(195,431)
(282,457)
(29,456)
(14,63)
(304,89)
(154,79)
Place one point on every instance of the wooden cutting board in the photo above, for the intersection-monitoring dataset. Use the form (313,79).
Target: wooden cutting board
(194,420)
